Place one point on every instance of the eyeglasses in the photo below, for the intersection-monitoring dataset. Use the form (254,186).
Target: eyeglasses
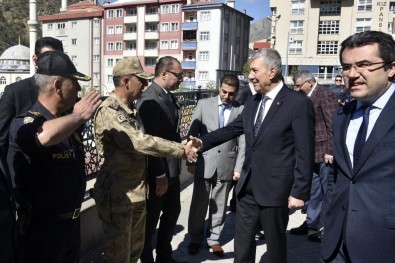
(300,85)
(177,75)
(362,66)
(338,80)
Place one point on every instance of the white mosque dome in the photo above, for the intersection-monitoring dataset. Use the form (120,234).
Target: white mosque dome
(15,58)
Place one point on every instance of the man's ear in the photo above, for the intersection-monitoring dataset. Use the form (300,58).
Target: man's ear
(57,86)
(34,59)
(391,73)
(272,73)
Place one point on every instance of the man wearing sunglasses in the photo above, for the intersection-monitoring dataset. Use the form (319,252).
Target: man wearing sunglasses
(359,208)
(160,114)
(325,105)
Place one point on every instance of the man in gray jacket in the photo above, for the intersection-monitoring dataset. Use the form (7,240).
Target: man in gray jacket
(216,168)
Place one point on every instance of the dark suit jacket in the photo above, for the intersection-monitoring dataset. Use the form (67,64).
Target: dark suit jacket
(280,159)
(363,196)
(243,94)
(18,98)
(160,117)
(325,105)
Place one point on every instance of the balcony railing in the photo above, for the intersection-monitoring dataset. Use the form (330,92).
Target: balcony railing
(189,26)
(188,64)
(189,45)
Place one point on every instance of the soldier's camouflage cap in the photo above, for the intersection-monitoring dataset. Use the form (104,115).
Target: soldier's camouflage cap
(130,66)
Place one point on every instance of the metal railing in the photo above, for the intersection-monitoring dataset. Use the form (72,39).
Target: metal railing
(187,101)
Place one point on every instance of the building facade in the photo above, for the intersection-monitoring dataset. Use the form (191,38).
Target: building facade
(308,33)
(79,27)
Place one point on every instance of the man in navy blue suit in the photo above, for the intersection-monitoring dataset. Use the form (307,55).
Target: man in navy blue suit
(278,124)
(359,208)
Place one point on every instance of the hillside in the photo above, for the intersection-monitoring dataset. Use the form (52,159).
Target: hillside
(260,30)
(14,15)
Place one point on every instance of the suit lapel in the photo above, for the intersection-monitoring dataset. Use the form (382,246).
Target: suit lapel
(381,127)
(277,102)
(165,102)
(343,133)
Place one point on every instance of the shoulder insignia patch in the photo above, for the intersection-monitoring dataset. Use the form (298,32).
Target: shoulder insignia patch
(113,105)
(28,120)
(121,117)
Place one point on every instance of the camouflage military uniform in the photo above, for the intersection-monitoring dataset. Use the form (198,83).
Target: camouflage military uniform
(120,189)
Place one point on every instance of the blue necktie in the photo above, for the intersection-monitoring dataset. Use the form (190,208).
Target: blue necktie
(361,136)
(222,116)
(259,118)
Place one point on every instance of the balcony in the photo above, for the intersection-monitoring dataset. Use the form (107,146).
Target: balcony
(130,19)
(190,84)
(130,52)
(189,26)
(188,64)
(151,35)
(189,45)
(151,18)
(151,52)
(130,36)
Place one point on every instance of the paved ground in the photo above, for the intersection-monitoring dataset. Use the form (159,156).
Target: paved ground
(300,250)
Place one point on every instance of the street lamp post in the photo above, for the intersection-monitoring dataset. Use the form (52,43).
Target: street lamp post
(289,40)
(274,20)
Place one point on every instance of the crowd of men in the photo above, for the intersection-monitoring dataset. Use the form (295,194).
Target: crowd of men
(286,148)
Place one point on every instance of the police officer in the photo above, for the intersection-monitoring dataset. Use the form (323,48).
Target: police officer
(46,160)
(120,189)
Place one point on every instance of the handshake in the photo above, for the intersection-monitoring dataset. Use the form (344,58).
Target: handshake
(192,148)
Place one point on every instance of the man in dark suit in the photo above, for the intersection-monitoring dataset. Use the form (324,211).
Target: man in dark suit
(359,207)
(278,124)
(160,114)
(325,105)
(18,98)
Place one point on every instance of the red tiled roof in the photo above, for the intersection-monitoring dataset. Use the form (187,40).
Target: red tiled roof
(79,10)
(259,45)
(203,2)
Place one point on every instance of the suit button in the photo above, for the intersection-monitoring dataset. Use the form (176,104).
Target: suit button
(353,181)
(219,151)
(253,149)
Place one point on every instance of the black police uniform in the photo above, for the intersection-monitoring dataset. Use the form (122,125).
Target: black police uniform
(50,185)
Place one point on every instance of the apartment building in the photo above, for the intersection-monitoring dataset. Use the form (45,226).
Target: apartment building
(79,27)
(308,33)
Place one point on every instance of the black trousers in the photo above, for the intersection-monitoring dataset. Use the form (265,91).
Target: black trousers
(170,207)
(7,223)
(274,221)
(51,242)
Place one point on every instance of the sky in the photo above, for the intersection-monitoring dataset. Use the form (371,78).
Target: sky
(257,9)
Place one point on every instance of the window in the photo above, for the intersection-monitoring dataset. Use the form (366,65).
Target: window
(110,46)
(331,7)
(131,45)
(190,56)
(175,9)
(96,75)
(118,29)
(118,46)
(73,41)
(110,30)
(131,12)
(174,26)
(165,9)
(173,44)
(61,25)
(132,29)
(119,13)
(203,75)
(96,40)
(96,58)
(149,44)
(297,7)
(295,47)
(165,27)
(150,61)
(3,80)
(204,35)
(327,47)
(329,27)
(363,24)
(364,5)
(203,55)
(96,22)
(297,27)
(110,13)
(151,28)
(110,62)
(49,26)
(164,44)
(109,78)
(74,24)
(205,16)
(152,10)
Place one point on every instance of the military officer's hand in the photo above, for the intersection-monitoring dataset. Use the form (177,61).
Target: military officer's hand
(86,107)
(161,185)
(236,176)
(295,203)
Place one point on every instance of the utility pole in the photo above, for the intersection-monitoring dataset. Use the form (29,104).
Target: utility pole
(33,25)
